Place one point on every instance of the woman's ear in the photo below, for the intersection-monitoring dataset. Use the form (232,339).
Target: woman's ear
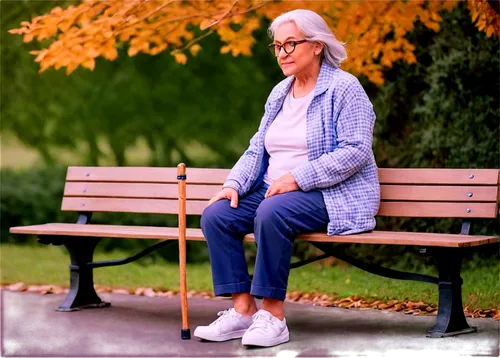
(318,48)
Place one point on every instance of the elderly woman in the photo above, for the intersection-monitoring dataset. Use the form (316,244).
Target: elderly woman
(310,167)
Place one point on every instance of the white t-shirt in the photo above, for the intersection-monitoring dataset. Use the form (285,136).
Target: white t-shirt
(285,139)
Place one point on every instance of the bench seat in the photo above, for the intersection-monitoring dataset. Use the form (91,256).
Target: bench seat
(172,233)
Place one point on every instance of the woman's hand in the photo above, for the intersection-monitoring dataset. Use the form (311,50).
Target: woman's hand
(282,185)
(226,193)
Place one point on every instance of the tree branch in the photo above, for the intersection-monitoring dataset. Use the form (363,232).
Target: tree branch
(223,16)
(193,41)
(152,12)
(251,9)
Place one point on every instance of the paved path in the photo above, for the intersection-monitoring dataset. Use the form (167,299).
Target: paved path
(143,326)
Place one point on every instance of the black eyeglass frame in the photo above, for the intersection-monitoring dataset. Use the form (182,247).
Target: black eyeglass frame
(272,47)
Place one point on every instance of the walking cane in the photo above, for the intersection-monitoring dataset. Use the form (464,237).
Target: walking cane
(181,177)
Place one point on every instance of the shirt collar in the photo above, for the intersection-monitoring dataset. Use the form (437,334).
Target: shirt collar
(324,80)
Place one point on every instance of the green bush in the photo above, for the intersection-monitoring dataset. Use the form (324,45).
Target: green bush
(31,197)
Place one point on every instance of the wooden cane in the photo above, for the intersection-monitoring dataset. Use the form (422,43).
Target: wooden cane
(181,177)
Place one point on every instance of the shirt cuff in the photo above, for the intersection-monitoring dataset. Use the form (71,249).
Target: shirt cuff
(231,183)
(304,177)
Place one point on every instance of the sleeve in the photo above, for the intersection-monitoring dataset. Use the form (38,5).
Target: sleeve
(240,172)
(354,144)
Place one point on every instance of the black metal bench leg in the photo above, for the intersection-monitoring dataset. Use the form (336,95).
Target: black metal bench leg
(450,318)
(81,293)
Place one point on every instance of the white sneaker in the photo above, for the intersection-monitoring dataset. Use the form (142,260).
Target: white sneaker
(266,331)
(229,325)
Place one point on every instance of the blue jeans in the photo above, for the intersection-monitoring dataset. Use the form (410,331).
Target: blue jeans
(275,222)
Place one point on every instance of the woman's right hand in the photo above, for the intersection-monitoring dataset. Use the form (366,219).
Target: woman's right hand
(226,193)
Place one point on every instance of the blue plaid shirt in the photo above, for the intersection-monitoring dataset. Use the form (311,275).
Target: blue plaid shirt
(341,163)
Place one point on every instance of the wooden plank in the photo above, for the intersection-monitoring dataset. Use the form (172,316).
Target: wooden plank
(403,238)
(170,233)
(196,207)
(113,231)
(428,176)
(206,192)
(145,175)
(437,210)
(439,193)
(438,176)
(138,190)
(151,206)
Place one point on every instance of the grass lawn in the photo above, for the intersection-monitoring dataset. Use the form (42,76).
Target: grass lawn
(17,155)
(37,265)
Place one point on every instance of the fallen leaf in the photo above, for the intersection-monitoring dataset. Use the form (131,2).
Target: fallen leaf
(46,289)
(398,307)
(139,291)
(120,291)
(161,293)
(101,289)
(149,292)
(18,286)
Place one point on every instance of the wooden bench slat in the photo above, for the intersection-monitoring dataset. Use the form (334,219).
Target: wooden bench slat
(196,207)
(151,206)
(114,231)
(437,210)
(217,176)
(205,192)
(439,193)
(138,190)
(169,233)
(438,176)
(403,176)
(404,238)
(144,175)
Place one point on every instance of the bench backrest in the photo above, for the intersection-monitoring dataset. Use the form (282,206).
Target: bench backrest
(445,193)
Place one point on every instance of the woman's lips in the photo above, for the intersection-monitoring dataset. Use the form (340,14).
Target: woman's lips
(286,64)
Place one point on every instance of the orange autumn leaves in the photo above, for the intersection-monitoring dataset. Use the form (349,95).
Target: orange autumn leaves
(485,16)
(374,31)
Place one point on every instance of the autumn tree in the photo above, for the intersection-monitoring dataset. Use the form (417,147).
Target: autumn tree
(135,110)
(102,114)
(374,31)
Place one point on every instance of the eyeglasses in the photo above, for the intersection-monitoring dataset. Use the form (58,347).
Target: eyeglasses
(288,47)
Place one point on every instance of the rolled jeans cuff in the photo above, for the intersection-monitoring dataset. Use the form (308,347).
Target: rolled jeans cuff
(268,292)
(227,289)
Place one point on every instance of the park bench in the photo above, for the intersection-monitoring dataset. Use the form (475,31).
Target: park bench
(466,194)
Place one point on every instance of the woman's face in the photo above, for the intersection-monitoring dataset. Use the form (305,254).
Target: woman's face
(304,54)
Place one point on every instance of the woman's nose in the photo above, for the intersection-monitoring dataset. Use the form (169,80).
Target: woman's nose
(282,53)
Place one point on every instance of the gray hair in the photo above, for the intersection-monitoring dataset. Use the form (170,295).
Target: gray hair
(314,28)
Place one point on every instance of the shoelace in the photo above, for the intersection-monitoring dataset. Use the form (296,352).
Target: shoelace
(223,315)
(260,322)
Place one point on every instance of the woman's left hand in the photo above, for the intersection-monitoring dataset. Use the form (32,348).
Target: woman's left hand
(282,185)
